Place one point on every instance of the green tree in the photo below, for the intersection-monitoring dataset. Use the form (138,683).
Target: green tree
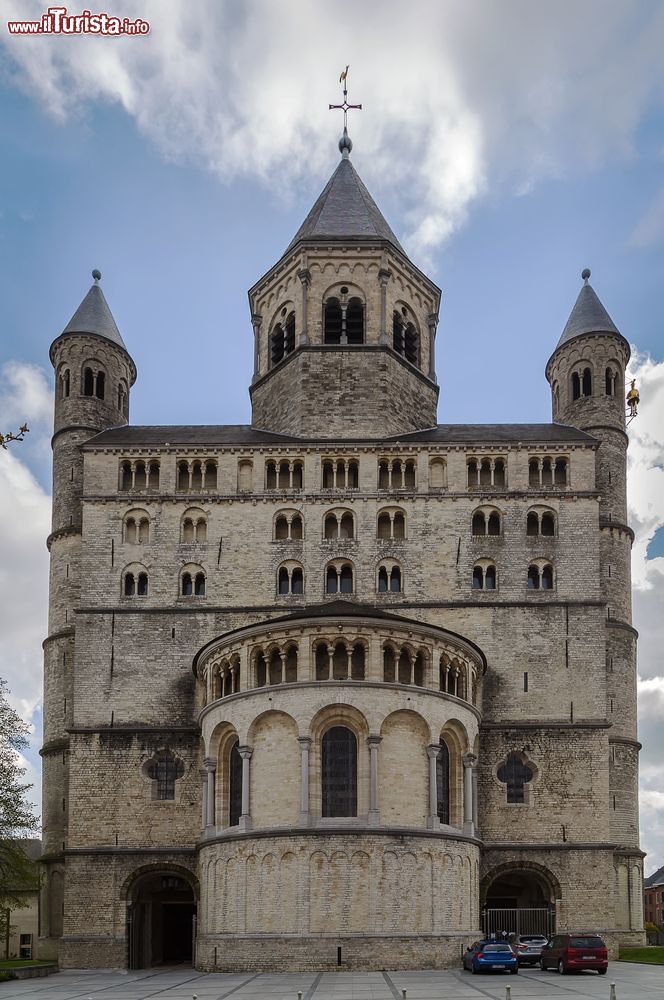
(17,817)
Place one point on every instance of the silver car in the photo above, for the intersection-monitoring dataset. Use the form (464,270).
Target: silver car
(527,947)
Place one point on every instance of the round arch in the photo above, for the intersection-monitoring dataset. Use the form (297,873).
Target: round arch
(519,897)
(161,901)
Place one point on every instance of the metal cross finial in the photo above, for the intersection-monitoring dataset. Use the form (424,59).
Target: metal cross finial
(345,145)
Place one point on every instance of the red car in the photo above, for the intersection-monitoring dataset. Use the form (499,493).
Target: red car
(573,952)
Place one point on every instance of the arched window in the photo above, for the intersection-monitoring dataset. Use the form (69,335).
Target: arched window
(479,524)
(199,585)
(153,475)
(576,385)
(532,524)
(547,472)
(196,476)
(548,524)
(142,585)
(339,772)
(100,387)
(389,578)
(140,476)
(88,382)
(339,578)
(391,524)
(122,398)
(560,472)
(187,587)
(234,785)
(389,665)
(515,774)
(164,770)
(290,579)
(277,344)
(66,383)
(129,585)
(443,783)
(473,473)
(587,382)
(332,322)
(405,339)
(210,478)
(355,321)
(540,576)
(493,523)
(338,524)
(125,476)
(484,576)
(547,577)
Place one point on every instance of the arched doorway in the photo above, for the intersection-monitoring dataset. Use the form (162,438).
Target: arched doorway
(161,918)
(519,901)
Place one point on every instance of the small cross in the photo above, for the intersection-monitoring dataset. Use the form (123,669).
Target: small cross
(345,107)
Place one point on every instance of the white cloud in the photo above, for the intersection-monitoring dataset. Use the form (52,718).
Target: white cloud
(25,514)
(645,482)
(645,462)
(486,94)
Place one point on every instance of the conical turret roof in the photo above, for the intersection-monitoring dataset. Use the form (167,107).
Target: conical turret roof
(94,316)
(587,316)
(345,210)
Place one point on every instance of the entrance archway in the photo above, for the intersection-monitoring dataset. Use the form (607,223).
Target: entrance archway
(161,920)
(519,901)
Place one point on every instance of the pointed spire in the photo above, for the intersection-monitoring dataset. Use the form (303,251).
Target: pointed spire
(345,210)
(94,316)
(588,315)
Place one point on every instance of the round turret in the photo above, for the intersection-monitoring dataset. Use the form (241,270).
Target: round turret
(93,377)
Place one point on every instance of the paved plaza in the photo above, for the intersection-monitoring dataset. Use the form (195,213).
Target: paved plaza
(633,982)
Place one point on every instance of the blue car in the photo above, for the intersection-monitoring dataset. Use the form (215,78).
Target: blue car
(490,956)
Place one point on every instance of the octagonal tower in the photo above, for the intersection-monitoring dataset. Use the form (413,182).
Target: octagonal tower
(344,325)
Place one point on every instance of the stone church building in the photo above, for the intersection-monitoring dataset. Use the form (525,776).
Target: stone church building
(345,687)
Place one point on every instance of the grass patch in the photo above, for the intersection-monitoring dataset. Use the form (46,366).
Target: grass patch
(650,955)
(23,963)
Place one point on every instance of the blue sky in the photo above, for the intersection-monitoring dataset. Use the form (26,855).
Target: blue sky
(509,146)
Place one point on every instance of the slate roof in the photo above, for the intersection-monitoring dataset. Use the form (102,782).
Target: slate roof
(657,878)
(210,435)
(498,434)
(343,210)
(587,316)
(94,316)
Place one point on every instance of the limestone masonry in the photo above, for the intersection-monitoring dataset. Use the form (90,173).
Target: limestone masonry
(345,687)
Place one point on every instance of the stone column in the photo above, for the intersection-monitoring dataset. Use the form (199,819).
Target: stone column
(432,321)
(373,741)
(305,746)
(210,764)
(469,761)
(245,753)
(475,801)
(256,323)
(304,274)
(204,781)
(384,275)
(433,822)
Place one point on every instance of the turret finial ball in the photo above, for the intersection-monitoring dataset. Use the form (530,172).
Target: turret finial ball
(585,274)
(96,275)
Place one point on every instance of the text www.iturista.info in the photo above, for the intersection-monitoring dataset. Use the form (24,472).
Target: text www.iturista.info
(56,21)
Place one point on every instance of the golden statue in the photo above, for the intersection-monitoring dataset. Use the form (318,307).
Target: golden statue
(633,399)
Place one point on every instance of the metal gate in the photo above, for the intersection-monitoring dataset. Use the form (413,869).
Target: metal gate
(519,921)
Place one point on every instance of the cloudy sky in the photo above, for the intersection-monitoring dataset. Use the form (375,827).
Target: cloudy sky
(509,144)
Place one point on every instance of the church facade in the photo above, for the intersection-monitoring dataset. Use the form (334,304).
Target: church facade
(344,688)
